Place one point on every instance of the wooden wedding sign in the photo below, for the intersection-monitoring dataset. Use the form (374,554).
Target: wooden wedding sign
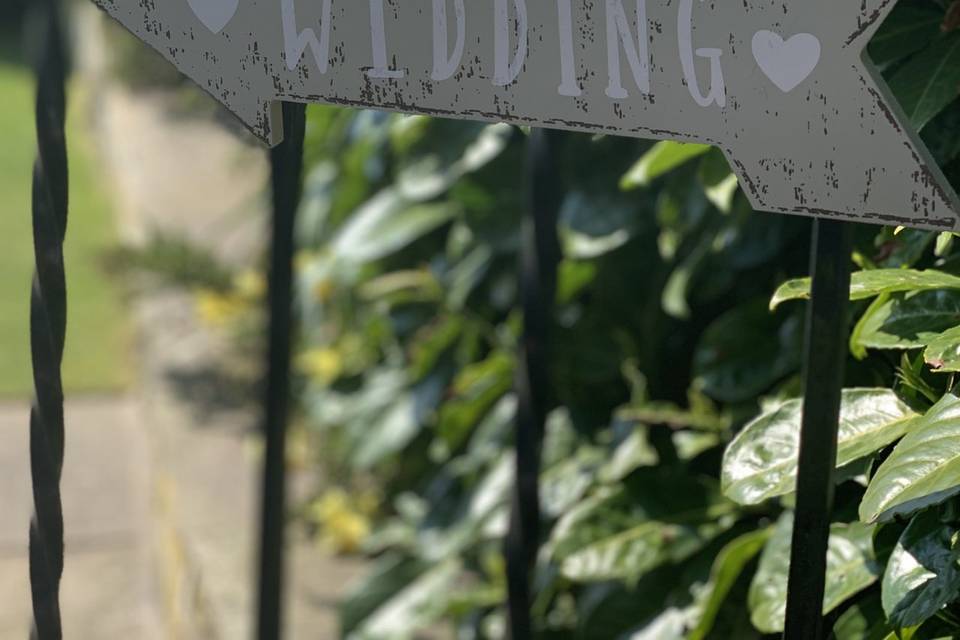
(783,87)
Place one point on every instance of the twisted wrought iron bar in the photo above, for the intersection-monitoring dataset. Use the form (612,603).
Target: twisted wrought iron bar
(538,273)
(287,169)
(48,323)
(826,348)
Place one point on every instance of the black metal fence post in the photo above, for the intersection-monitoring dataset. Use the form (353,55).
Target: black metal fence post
(826,348)
(48,321)
(287,169)
(538,273)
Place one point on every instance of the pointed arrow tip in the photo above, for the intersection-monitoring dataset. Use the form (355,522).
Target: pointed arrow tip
(264,120)
(249,96)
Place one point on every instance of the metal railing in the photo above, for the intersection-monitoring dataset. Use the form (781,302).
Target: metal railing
(825,349)
(48,319)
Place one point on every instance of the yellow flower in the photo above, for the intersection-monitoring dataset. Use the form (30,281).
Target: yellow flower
(251,285)
(323,290)
(345,533)
(218,309)
(342,528)
(322,364)
(302,260)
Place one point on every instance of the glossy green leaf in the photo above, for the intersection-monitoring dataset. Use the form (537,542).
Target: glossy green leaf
(944,244)
(387,576)
(745,351)
(432,342)
(923,469)
(635,451)
(908,28)
(594,224)
(388,434)
(415,606)
(662,605)
(851,567)
(670,624)
(388,223)
(922,574)
(761,462)
(599,515)
(662,158)
(444,155)
(623,534)
(695,419)
(719,183)
(630,554)
(727,568)
(942,138)
(909,321)
(565,483)
(466,275)
(864,620)
(867,284)
(484,507)
(573,277)
(476,390)
(690,444)
(930,80)
(857,349)
(943,351)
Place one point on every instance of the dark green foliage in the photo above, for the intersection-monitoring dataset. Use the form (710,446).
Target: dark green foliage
(670,340)
(174,260)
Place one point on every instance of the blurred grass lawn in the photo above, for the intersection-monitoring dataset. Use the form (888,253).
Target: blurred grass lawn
(98,335)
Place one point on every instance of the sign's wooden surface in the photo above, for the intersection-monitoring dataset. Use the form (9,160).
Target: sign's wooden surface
(781,86)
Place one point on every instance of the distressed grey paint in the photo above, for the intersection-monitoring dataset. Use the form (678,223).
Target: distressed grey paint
(807,123)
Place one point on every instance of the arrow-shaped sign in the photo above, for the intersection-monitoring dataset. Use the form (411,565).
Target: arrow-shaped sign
(781,86)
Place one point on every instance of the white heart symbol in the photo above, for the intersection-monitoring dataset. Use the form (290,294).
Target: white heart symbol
(214,14)
(789,63)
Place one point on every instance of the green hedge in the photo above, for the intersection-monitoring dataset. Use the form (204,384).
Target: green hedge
(671,447)
(675,389)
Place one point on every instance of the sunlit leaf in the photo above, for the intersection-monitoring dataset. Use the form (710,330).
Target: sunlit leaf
(761,462)
(922,574)
(719,183)
(867,284)
(623,534)
(923,469)
(632,553)
(662,158)
(851,567)
(635,451)
(909,321)
(415,606)
(727,568)
(387,223)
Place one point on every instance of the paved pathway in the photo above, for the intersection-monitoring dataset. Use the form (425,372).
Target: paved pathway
(192,176)
(108,587)
(160,487)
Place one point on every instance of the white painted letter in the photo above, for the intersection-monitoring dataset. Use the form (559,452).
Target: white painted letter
(444,63)
(638,57)
(378,34)
(568,73)
(505,71)
(718,89)
(296,42)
